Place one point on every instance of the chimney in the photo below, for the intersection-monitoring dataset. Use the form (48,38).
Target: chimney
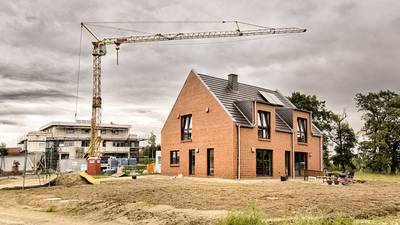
(233,82)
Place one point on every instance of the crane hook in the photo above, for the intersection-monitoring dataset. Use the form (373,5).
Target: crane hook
(117,48)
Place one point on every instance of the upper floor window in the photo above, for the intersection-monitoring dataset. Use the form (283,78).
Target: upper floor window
(134,144)
(68,143)
(264,125)
(104,143)
(103,131)
(115,132)
(69,130)
(85,143)
(186,127)
(42,145)
(302,130)
(119,144)
(174,157)
(85,131)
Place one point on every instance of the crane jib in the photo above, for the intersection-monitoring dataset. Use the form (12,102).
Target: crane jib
(198,35)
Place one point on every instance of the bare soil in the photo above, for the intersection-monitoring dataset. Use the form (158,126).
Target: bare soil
(162,200)
(69,179)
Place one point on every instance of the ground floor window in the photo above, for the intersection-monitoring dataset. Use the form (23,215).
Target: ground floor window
(174,157)
(263,162)
(300,163)
(287,163)
(210,162)
(192,161)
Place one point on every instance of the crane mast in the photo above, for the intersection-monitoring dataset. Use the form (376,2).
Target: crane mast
(99,50)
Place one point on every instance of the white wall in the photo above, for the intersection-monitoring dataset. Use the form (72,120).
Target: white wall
(9,160)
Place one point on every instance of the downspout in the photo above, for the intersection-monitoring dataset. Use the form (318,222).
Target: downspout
(238,151)
(322,152)
(293,160)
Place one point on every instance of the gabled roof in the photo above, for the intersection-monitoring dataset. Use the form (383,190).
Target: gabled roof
(230,99)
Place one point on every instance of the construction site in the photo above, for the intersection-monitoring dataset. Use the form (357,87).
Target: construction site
(240,147)
(172,200)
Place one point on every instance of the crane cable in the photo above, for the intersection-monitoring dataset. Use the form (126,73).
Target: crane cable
(78,74)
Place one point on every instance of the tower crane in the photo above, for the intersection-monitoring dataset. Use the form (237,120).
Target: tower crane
(99,50)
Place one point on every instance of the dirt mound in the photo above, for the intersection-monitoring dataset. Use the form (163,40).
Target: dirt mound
(69,179)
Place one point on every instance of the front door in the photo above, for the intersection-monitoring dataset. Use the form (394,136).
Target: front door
(300,163)
(192,161)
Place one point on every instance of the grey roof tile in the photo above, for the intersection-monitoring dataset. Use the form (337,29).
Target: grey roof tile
(219,88)
(281,125)
(315,131)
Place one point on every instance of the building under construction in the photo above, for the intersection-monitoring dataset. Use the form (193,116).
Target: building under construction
(70,140)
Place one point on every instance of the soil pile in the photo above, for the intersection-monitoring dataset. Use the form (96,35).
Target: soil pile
(69,179)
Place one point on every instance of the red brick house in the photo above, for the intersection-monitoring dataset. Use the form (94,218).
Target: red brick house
(223,128)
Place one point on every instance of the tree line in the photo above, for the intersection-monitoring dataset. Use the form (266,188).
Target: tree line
(376,147)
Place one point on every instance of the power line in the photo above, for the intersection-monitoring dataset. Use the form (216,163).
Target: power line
(158,21)
(78,75)
(120,28)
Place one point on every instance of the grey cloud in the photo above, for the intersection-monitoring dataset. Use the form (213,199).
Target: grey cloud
(33,73)
(34,95)
(350,46)
(10,123)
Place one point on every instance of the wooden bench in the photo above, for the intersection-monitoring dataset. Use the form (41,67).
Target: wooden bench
(313,173)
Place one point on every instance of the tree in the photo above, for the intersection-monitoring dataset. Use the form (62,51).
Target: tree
(344,140)
(152,147)
(381,149)
(3,149)
(321,116)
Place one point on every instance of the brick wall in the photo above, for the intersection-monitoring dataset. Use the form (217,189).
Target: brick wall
(278,143)
(313,145)
(213,129)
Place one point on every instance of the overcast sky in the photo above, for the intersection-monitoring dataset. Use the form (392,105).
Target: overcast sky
(349,47)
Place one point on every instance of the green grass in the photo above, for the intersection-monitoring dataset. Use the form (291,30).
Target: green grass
(250,216)
(51,209)
(387,220)
(337,220)
(377,177)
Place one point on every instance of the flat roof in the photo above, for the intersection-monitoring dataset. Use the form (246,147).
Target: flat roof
(83,124)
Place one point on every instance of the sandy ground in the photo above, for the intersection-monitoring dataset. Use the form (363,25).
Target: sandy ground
(162,200)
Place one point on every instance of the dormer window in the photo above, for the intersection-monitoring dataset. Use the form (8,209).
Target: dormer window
(186,127)
(264,125)
(302,130)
